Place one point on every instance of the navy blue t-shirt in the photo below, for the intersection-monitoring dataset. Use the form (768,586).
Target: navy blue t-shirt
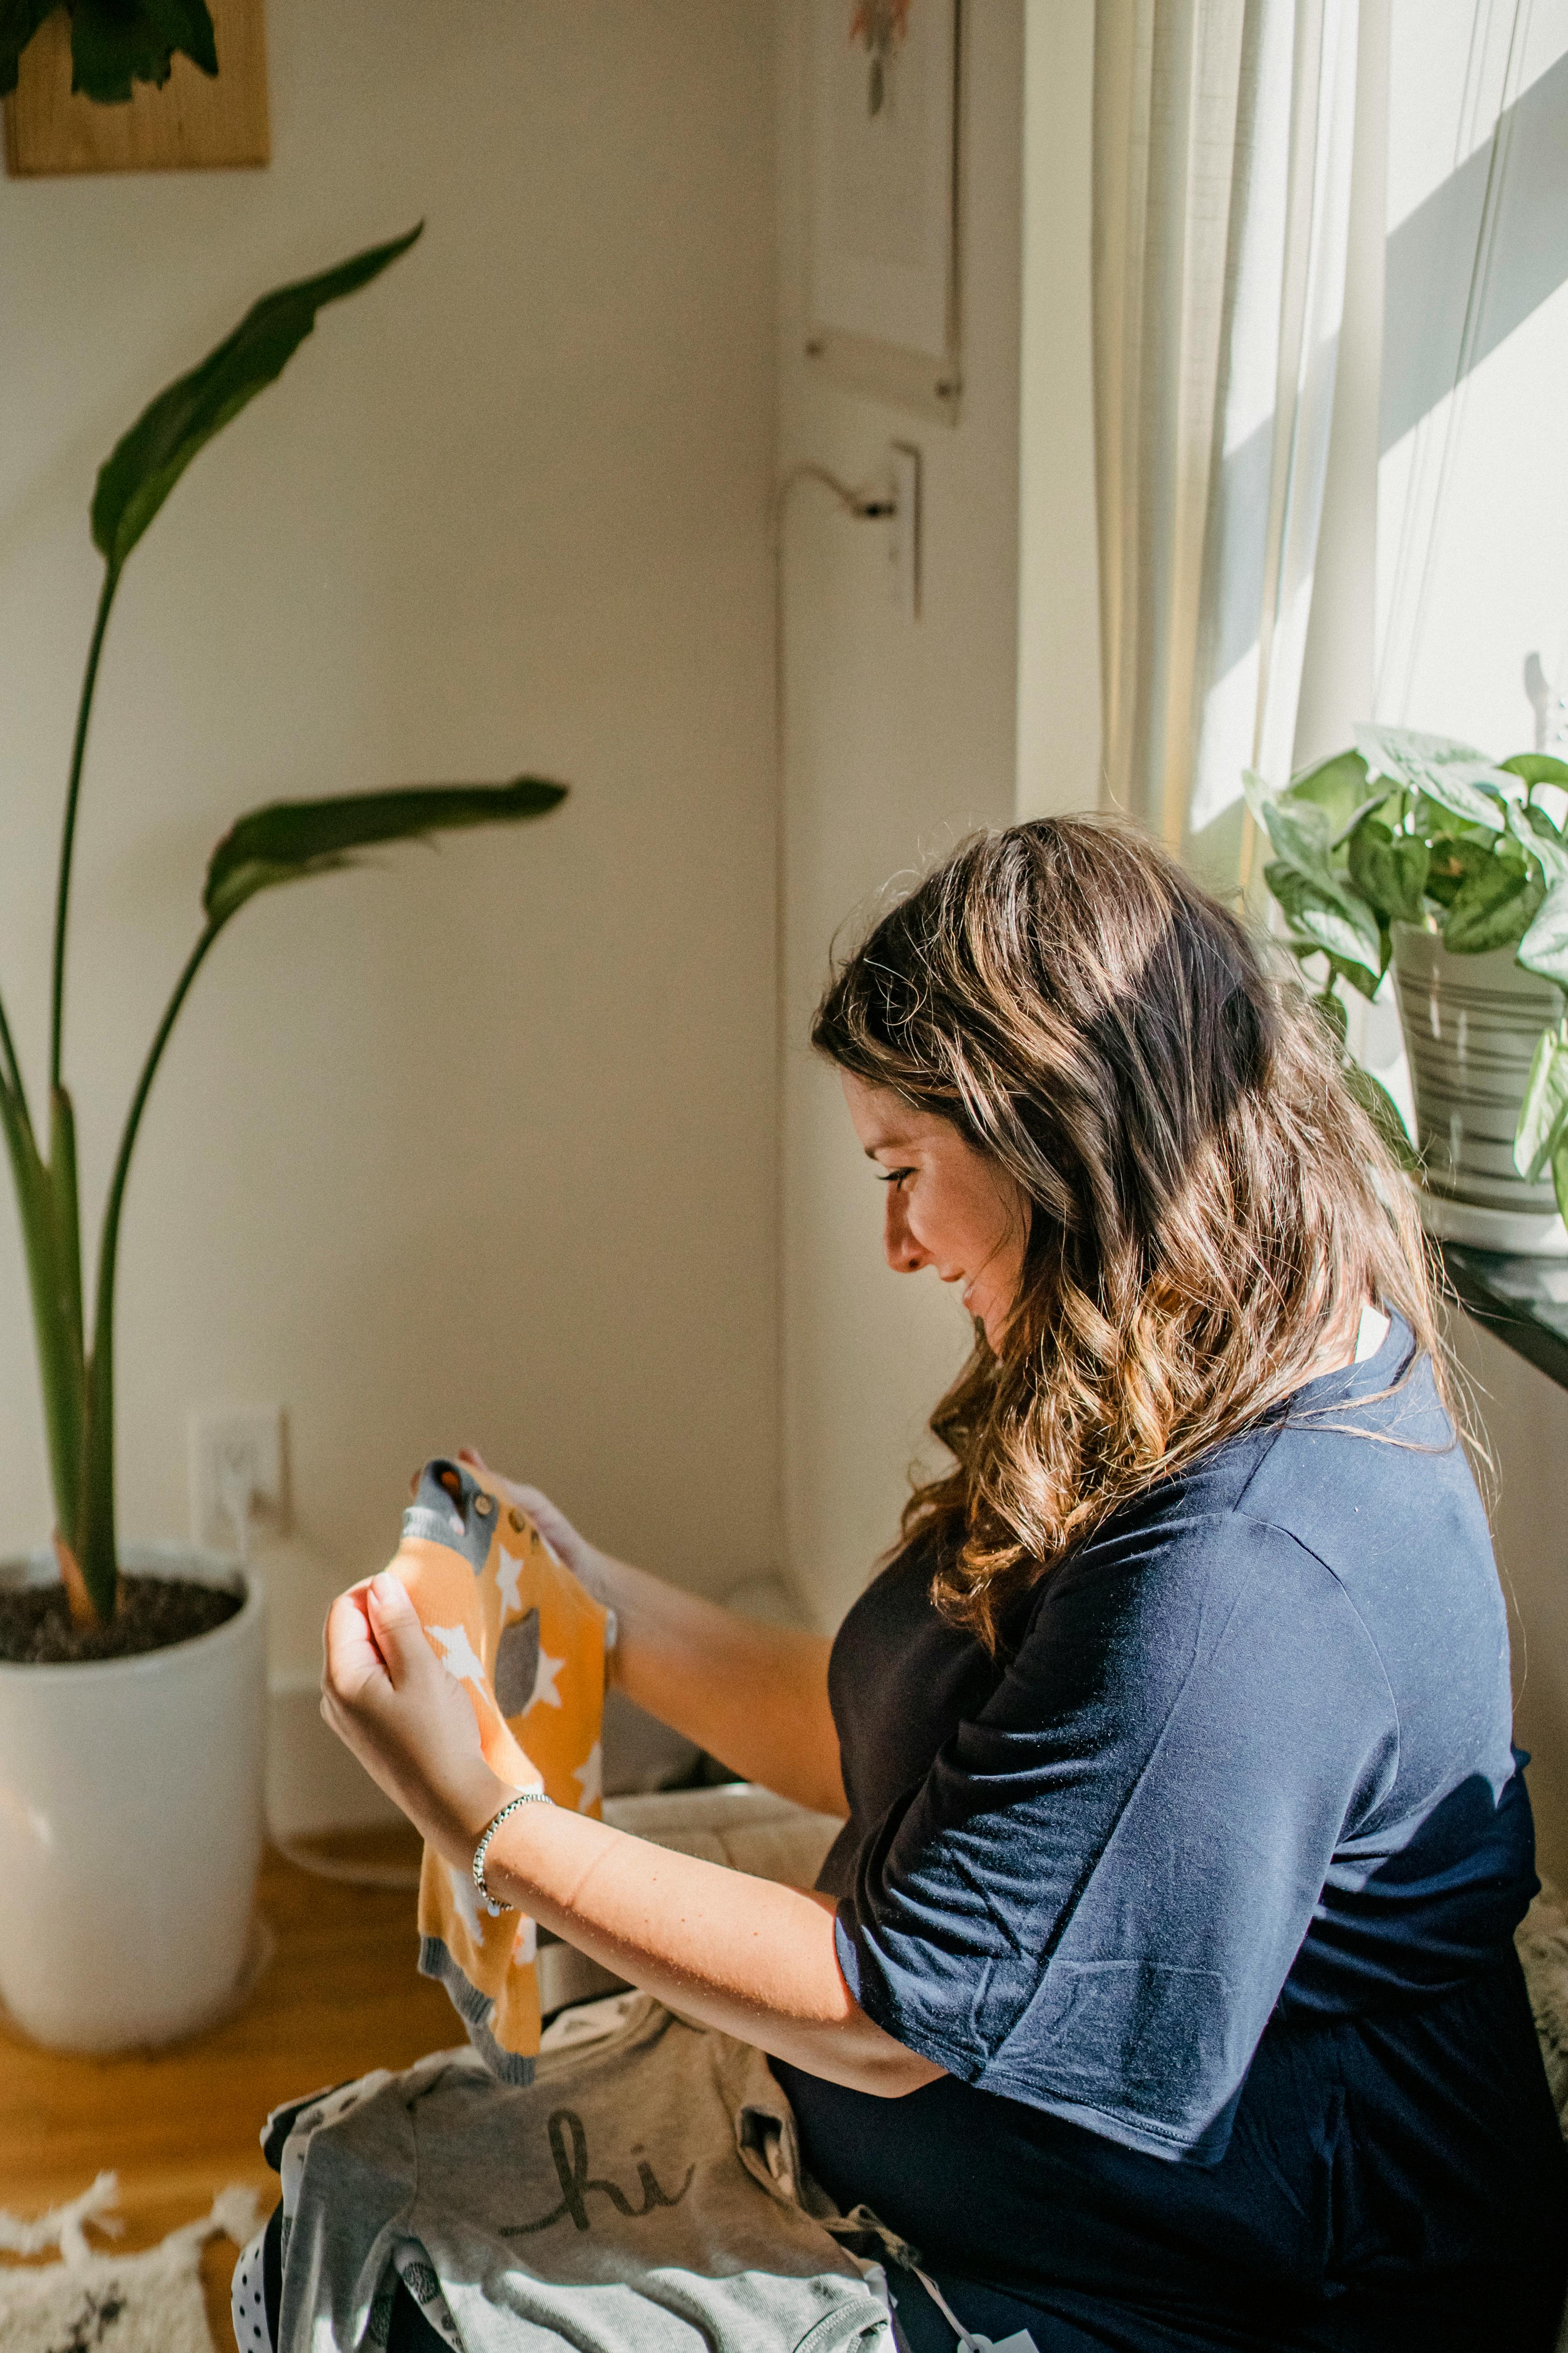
(1242,1769)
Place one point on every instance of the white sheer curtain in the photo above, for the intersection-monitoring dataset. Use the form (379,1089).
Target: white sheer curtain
(1223,132)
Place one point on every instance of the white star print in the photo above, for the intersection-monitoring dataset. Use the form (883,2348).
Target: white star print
(458,1657)
(545,1681)
(591,1775)
(509,1573)
(467,1897)
(525,1944)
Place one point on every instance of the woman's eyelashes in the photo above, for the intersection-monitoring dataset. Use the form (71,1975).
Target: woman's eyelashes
(893,1175)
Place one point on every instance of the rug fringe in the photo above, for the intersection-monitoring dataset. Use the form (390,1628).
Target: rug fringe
(61,2227)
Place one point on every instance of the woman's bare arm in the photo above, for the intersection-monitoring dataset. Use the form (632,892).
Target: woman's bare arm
(738,1953)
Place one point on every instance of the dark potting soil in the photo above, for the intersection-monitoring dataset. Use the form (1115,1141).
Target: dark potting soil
(150,1614)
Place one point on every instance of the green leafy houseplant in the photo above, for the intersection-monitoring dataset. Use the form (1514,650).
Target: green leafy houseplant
(284,843)
(1420,830)
(113,42)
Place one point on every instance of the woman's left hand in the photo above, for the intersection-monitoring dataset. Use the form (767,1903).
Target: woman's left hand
(409,1722)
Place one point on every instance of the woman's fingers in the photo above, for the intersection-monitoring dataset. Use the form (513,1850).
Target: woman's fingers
(395,1624)
(507,1487)
(374,1642)
(353,1664)
(562,1539)
(548,1518)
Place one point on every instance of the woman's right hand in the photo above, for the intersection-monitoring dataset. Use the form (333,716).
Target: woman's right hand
(592,1568)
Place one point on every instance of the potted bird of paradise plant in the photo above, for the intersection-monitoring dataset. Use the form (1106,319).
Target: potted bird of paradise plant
(131,1684)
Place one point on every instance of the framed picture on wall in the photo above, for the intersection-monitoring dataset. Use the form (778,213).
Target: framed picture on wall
(883,149)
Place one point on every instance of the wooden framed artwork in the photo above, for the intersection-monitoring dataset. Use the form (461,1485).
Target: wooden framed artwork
(194,124)
(884,187)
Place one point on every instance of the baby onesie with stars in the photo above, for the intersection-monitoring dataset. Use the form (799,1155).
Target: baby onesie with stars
(517,1631)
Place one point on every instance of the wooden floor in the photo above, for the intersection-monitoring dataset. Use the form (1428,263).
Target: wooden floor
(339,1996)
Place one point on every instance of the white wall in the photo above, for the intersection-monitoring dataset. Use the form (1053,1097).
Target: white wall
(902,735)
(479,1145)
(1058,756)
(1339,663)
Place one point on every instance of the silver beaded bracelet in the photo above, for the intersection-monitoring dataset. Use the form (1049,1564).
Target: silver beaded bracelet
(523,1798)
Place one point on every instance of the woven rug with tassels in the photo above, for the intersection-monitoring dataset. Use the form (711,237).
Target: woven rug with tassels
(146,2302)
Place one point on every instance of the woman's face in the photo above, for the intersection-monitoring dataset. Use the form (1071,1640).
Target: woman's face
(948,1205)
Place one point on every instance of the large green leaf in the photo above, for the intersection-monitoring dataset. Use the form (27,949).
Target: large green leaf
(1338,786)
(1540,840)
(1455,775)
(1329,923)
(1300,834)
(1303,825)
(1333,1013)
(117,42)
(1493,908)
(1545,947)
(1389,870)
(1537,768)
(1453,863)
(1383,1110)
(1344,941)
(1362,978)
(19,20)
(1539,824)
(1404,753)
(1543,1114)
(1468,789)
(1430,821)
(148,460)
(290,839)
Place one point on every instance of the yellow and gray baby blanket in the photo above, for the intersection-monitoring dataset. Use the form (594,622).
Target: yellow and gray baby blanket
(518,1632)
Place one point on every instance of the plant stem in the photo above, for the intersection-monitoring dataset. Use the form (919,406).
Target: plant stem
(65,1192)
(68,832)
(60,1356)
(108,1239)
(96,1549)
(11,1077)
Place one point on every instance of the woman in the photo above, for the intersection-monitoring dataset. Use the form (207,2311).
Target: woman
(1162,1987)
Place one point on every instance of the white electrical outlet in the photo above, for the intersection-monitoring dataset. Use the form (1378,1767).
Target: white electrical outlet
(904,537)
(239,1477)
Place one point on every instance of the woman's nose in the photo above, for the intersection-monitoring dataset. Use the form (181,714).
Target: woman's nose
(904,1254)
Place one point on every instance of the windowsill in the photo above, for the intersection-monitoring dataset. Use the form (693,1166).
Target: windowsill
(1522,1301)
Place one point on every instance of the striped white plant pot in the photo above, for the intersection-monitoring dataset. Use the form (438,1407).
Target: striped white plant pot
(1472,1023)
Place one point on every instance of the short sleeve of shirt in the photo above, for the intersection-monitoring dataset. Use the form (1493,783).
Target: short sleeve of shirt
(1093,1900)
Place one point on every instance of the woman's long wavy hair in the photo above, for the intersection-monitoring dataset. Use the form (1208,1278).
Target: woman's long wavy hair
(1208,1207)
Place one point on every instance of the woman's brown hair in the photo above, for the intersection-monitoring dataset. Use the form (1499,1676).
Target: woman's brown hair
(1208,1206)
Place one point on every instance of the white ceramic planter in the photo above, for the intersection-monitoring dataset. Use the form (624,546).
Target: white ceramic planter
(131,1825)
(1470,1025)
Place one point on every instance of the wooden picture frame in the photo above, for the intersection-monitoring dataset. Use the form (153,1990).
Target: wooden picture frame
(193,123)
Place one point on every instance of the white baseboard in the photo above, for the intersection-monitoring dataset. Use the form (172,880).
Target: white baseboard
(312,1781)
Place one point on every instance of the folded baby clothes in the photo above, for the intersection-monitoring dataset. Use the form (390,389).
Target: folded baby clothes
(645,2192)
(517,1630)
